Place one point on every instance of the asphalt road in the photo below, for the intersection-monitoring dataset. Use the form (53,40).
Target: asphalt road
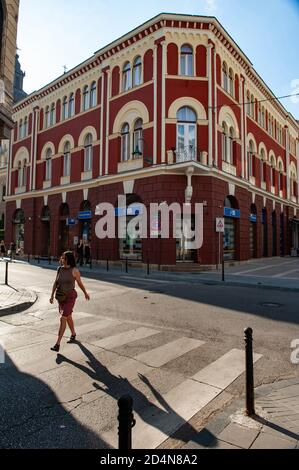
(211,314)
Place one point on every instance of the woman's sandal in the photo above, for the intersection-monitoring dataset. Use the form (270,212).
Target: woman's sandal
(72,339)
(55,348)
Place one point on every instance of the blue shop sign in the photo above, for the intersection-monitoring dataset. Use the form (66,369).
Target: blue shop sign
(128,211)
(85,215)
(234,213)
(70,221)
(253,218)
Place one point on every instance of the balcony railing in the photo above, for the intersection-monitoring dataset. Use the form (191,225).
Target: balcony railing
(189,153)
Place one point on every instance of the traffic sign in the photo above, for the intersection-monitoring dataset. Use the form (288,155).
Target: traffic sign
(220,225)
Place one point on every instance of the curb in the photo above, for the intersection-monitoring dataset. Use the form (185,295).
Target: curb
(30,298)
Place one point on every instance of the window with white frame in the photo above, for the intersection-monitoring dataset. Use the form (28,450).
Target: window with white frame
(125,143)
(47,117)
(262,167)
(248,103)
(231,82)
(86,98)
(252,107)
(72,105)
(21,129)
(272,173)
(127,79)
(67,159)
(137,71)
(48,173)
(93,95)
(64,108)
(280,177)
(187,61)
(52,115)
(88,153)
(250,158)
(231,146)
(138,139)
(20,175)
(224,142)
(26,129)
(186,134)
(225,76)
(263,118)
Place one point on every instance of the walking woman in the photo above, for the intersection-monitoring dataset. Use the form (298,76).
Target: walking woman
(66,295)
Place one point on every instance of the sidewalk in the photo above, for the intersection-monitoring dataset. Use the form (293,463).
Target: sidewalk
(15,300)
(275,426)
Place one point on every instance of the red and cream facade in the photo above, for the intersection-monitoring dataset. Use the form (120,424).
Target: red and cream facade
(173,111)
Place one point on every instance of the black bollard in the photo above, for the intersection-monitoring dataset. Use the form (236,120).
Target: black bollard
(50,260)
(126,422)
(250,411)
(223,271)
(6,273)
(127,266)
(107,265)
(90,264)
(148,267)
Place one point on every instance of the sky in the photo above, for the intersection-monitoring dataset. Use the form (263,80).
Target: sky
(57,33)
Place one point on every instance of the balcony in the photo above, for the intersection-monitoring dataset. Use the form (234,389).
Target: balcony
(131,165)
(187,154)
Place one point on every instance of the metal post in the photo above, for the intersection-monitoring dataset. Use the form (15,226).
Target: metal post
(50,260)
(127,267)
(6,273)
(148,267)
(107,265)
(223,270)
(126,422)
(250,411)
(90,263)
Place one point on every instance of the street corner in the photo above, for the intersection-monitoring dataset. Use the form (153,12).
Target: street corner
(15,300)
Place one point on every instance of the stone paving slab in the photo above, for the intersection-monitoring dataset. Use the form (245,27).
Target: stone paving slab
(278,429)
(15,300)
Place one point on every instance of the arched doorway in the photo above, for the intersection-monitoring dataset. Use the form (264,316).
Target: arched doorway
(253,231)
(85,217)
(19,229)
(265,232)
(46,240)
(64,242)
(131,246)
(274,234)
(282,237)
(231,218)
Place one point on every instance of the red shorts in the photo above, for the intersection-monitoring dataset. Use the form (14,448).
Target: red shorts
(66,308)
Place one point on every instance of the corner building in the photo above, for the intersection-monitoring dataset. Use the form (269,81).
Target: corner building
(173,111)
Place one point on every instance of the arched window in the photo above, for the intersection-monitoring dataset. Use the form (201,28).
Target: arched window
(138,138)
(224,76)
(263,118)
(272,175)
(72,105)
(24,182)
(64,108)
(127,79)
(251,158)
(21,129)
(224,142)
(20,175)
(125,143)
(248,103)
(252,111)
(231,82)
(47,117)
(48,175)
(187,60)
(280,178)
(231,146)
(25,133)
(67,159)
(263,164)
(86,98)
(93,95)
(186,134)
(88,153)
(137,71)
(52,115)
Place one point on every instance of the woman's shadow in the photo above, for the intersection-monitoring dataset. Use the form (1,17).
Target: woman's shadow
(117,386)
(31,416)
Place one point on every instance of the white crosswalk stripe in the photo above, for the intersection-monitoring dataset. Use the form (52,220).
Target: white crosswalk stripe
(125,338)
(168,352)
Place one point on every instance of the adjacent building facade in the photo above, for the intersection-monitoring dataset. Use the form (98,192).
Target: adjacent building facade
(8,34)
(171,112)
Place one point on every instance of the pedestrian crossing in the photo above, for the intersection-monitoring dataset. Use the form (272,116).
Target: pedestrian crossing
(90,372)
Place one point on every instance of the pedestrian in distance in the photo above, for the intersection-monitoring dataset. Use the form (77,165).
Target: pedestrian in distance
(80,253)
(2,249)
(87,253)
(65,293)
(13,247)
